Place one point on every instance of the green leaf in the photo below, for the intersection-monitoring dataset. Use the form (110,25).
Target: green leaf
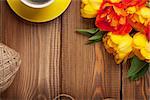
(136,66)
(137,69)
(140,73)
(94,41)
(97,36)
(88,32)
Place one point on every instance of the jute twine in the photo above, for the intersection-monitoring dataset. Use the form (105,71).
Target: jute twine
(9,65)
(64,95)
(72,98)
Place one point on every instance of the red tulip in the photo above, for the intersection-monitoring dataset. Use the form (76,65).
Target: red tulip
(110,18)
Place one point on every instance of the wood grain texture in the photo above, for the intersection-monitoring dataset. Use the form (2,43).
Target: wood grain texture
(1,22)
(55,60)
(39,47)
(87,71)
(135,90)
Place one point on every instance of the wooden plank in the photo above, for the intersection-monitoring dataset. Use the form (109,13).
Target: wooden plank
(39,46)
(0,22)
(88,72)
(135,90)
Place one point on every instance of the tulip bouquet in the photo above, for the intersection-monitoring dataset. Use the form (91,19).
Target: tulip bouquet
(124,28)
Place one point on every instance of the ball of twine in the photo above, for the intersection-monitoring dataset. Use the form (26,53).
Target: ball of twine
(9,65)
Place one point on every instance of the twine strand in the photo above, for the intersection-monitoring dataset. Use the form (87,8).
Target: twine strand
(64,95)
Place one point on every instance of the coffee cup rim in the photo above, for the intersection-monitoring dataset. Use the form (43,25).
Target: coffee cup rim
(37,6)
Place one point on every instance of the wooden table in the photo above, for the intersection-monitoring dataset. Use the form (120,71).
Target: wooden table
(55,60)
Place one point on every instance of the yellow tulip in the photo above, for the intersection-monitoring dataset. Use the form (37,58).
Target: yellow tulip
(141,19)
(85,1)
(142,16)
(131,10)
(88,12)
(124,46)
(95,3)
(115,1)
(89,8)
(115,38)
(139,40)
(118,45)
(146,52)
(145,12)
(141,46)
